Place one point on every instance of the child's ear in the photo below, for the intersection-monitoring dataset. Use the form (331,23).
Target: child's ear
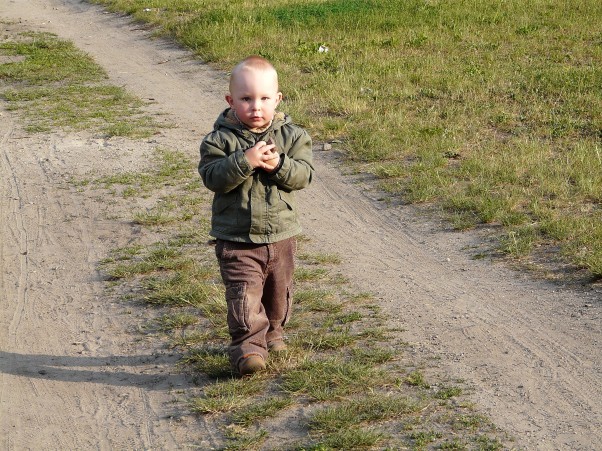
(229,99)
(278,98)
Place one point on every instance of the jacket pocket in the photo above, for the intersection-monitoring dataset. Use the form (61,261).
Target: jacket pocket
(222,202)
(287,198)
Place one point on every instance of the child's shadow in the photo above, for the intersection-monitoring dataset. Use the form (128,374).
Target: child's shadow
(154,372)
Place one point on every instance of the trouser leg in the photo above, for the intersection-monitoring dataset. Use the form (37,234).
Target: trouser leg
(243,268)
(278,287)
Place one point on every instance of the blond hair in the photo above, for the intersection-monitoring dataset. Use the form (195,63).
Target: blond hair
(253,62)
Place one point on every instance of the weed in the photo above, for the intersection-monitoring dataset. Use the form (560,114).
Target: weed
(454,444)
(313,296)
(423,438)
(448,392)
(374,333)
(155,217)
(473,422)
(417,379)
(519,242)
(488,444)
(349,317)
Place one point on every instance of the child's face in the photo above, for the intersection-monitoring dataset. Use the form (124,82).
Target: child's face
(254,97)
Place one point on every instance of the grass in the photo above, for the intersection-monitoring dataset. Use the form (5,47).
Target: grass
(227,396)
(54,84)
(363,410)
(491,111)
(265,409)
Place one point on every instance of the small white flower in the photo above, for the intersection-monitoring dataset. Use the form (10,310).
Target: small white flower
(323,49)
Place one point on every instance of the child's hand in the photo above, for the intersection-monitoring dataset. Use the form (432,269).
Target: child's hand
(271,160)
(263,156)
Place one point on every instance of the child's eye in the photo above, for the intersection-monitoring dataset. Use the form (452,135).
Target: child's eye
(246,99)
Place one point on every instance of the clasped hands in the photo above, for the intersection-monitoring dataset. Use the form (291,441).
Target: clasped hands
(263,156)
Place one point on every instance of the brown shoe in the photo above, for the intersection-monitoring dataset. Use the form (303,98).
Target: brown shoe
(251,364)
(277,346)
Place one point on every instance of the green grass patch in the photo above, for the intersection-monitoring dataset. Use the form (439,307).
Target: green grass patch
(331,378)
(186,287)
(423,438)
(240,439)
(362,410)
(156,258)
(354,438)
(46,60)
(334,338)
(448,392)
(373,355)
(320,259)
(228,395)
(306,274)
(266,408)
(417,379)
(175,321)
(54,84)
(167,168)
(211,361)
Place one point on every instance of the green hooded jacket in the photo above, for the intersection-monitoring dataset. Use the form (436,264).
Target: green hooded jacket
(251,205)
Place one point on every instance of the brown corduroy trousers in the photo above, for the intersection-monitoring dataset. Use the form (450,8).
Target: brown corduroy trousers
(259,292)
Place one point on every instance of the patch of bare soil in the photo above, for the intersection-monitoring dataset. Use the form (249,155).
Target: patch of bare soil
(72,374)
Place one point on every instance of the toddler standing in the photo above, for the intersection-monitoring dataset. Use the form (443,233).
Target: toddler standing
(254,160)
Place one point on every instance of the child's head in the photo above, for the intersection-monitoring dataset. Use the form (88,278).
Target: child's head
(254,93)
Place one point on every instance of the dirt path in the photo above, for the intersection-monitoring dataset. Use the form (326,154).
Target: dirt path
(532,352)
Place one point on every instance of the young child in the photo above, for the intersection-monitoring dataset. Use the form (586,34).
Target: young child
(254,161)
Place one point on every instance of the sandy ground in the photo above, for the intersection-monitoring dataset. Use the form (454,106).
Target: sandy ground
(72,375)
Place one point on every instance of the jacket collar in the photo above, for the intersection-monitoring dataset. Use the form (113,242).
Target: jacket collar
(229,119)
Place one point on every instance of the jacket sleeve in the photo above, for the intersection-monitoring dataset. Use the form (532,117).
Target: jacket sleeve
(296,170)
(222,169)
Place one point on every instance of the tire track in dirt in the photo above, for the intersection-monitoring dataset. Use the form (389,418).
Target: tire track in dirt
(531,350)
(11,205)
